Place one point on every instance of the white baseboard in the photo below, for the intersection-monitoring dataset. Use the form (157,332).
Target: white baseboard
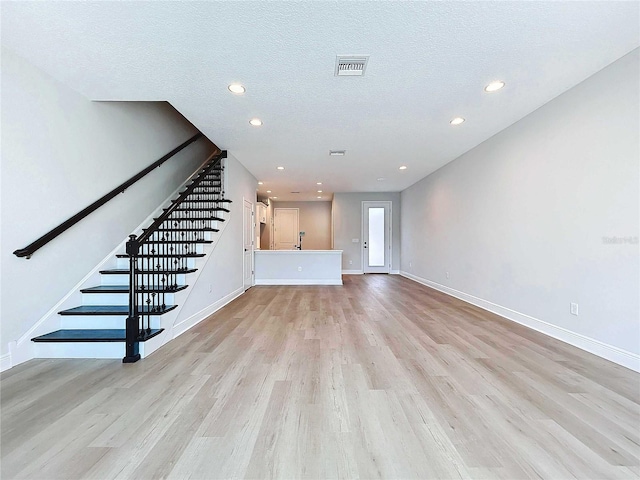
(193,320)
(5,362)
(609,352)
(299,281)
(395,272)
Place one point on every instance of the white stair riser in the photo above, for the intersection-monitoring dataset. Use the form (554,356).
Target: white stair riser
(98,322)
(206,234)
(113,350)
(122,279)
(191,247)
(189,262)
(116,298)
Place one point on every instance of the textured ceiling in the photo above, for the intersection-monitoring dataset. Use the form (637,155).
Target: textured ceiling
(429,62)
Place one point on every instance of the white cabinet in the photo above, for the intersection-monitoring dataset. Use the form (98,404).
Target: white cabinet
(262,212)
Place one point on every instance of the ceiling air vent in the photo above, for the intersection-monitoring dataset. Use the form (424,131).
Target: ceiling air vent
(351,65)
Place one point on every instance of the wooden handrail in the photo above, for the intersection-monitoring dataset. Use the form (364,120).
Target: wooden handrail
(47,237)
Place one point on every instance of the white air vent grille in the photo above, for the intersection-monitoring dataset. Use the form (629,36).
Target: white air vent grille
(351,65)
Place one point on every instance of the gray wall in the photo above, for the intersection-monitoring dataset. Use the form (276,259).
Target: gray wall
(347,224)
(61,152)
(315,220)
(223,274)
(520,220)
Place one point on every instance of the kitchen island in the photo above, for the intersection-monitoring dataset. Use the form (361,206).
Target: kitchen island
(298,267)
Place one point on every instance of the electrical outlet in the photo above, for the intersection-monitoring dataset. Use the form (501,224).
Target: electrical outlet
(210,288)
(350,262)
(447,274)
(299,269)
(410,264)
(574,309)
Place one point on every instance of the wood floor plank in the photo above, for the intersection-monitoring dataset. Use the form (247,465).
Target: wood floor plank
(379,378)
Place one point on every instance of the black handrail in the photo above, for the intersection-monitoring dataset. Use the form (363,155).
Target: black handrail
(47,237)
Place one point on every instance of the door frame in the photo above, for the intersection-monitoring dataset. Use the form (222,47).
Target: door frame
(389,205)
(273,234)
(251,235)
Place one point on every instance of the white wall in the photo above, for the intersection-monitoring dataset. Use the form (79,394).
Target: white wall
(347,225)
(519,221)
(61,152)
(222,276)
(315,220)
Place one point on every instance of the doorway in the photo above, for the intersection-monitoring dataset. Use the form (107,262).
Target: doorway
(247,240)
(376,237)
(285,228)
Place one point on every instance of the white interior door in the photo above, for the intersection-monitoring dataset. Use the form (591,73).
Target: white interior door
(376,237)
(285,228)
(247,218)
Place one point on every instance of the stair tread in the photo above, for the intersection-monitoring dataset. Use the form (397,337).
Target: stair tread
(111,310)
(196,209)
(125,271)
(125,289)
(203,229)
(222,200)
(180,219)
(197,240)
(168,255)
(107,335)
(210,219)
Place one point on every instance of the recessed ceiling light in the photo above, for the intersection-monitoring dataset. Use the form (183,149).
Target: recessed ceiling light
(236,88)
(256,122)
(268,191)
(318,197)
(318,183)
(457,121)
(403,167)
(494,86)
(319,191)
(280,168)
(274,197)
(260,183)
(380,179)
(337,153)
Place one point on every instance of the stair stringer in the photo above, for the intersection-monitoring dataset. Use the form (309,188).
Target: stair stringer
(23,349)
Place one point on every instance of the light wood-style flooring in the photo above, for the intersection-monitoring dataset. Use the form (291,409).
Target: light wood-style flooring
(380,378)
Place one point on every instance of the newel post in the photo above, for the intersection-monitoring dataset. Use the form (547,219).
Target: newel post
(132,351)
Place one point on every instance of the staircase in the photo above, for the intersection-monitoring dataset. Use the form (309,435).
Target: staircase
(126,308)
